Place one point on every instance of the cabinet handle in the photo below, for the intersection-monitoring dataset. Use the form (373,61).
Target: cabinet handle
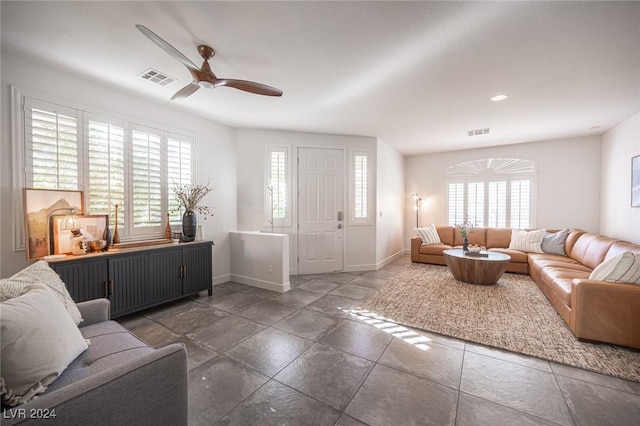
(106,289)
(185,272)
(111,288)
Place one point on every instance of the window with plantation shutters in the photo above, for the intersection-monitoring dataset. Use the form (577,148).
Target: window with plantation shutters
(361,208)
(112,160)
(179,171)
(52,150)
(492,193)
(278,176)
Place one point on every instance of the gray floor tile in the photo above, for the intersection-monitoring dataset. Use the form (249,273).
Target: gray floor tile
(347,420)
(334,305)
(217,386)
(269,351)
(391,397)
(525,360)
(380,274)
(297,298)
(186,321)
(358,339)
(318,286)
(336,277)
(224,333)
(439,363)
(308,324)
(235,302)
(267,312)
(326,374)
(474,411)
(154,334)
(277,404)
(196,353)
(132,321)
(354,292)
(261,292)
(510,384)
(218,291)
(168,309)
(594,405)
(369,282)
(296,280)
(595,378)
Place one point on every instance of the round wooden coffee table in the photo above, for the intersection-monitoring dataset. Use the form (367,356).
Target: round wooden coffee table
(475,269)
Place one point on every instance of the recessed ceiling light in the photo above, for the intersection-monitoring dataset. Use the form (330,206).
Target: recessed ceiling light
(498,98)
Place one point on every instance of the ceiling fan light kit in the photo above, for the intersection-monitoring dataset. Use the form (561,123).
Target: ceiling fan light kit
(203,76)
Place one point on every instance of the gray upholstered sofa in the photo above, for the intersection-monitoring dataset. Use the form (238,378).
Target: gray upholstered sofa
(118,380)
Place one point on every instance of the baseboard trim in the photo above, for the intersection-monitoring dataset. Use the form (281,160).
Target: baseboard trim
(268,285)
(221,279)
(389,259)
(358,268)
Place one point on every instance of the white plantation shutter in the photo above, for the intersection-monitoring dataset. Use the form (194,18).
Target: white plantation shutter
(361,210)
(456,203)
(497,205)
(105,149)
(278,177)
(520,204)
(475,203)
(52,152)
(179,171)
(146,181)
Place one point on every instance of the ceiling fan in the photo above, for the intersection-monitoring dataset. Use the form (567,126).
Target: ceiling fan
(203,76)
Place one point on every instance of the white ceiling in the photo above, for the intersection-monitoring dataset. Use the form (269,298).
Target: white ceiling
(418,75)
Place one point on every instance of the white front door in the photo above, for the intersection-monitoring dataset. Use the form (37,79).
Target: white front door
(320,210)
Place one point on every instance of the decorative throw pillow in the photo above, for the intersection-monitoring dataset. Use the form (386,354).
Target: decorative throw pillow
(527,241)
(39,340)
(39,273)
(623,268)
(554,242)
(429,235)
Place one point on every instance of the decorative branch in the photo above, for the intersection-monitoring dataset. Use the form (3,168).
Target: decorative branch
(190,196)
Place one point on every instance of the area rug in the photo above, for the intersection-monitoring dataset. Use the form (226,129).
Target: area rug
(513,315)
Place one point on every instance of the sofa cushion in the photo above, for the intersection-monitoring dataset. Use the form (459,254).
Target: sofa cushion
(433,249)
(591,249)
(446,234)
(554,242)
(516,255)
(527,241)
(39,273)
(478,237)
(560,280)
(624,268)
(429,235)
(39,340)
(498,238)
(111,344)
(620,247)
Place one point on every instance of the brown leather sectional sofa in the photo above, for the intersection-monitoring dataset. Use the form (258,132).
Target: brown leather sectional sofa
(594,310)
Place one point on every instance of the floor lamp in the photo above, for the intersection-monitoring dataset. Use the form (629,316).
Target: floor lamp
(417,202)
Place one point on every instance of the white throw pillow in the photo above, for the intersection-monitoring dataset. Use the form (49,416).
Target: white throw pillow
(624,268)
(39,340)
(429,235)
(39,273)
(527,241)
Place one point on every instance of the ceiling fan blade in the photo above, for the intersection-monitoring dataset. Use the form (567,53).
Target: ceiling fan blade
(187,90)
(167,47)
(249,86)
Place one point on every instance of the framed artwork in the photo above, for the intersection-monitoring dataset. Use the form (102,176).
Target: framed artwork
(635,181)
(93,227)
(39,206)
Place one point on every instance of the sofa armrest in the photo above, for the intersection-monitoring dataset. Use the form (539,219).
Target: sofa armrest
(606,311)
(94,311)
(148,390)
(416,242)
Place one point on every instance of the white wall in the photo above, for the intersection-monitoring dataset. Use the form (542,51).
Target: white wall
(568,182)
(360,247)
(390,211)
(216,161)
(260,259)
(617,218)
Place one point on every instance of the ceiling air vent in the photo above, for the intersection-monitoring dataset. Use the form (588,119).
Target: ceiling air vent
(157,77)
(478,132)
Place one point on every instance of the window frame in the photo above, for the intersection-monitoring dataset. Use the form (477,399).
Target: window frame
(286,221)
(353,220)
(20,101)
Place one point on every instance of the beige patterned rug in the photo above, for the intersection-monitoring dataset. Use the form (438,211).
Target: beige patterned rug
(512,315)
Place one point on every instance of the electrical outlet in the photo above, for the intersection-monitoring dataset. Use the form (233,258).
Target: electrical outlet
(270,268)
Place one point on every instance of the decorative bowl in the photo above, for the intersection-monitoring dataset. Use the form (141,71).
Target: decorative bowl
(97,245)
(475,249)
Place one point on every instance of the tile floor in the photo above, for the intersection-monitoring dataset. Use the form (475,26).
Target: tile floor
(304,357)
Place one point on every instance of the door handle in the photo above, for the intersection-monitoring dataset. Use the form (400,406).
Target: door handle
(340,215)
(339,226)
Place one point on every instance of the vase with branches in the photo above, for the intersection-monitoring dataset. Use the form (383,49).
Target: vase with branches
(465,228)
(189,197)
